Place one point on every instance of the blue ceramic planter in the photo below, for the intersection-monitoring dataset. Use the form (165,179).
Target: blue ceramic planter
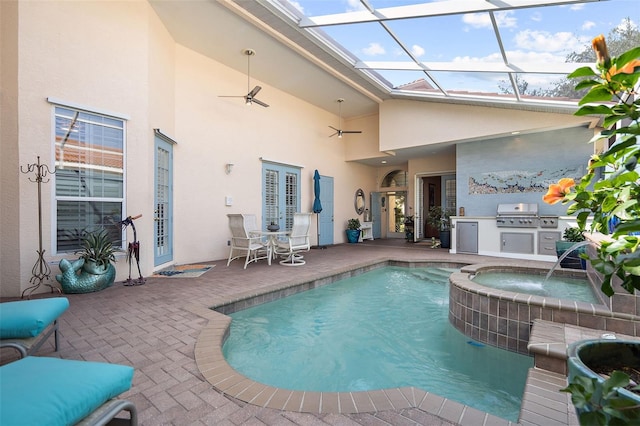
(585,354)
(353,235)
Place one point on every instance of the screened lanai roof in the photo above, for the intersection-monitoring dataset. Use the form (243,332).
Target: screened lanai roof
(515,51)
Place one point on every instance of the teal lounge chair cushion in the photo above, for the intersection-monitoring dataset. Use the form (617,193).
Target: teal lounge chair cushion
(27,318)
(53,391)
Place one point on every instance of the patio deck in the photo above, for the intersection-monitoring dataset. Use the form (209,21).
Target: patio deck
(154,328)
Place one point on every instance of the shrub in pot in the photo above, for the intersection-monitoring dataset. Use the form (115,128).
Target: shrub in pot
(353,230)
(600,387)
(570,237)
(439,218)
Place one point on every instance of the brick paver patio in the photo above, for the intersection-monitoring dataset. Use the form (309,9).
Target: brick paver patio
(154,328)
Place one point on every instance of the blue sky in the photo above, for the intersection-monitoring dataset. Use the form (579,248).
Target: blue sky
(542,35)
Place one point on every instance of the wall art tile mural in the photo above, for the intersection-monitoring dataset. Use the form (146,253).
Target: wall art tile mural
(519,181)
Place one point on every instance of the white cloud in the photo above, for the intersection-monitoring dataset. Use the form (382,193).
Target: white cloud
(536,17)
(417,50)
(544,41)
(587,25)
(482,20)
(374,49)
(354,5)
(578,6)
(623,24)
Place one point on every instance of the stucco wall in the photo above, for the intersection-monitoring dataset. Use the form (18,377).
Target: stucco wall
(9,173)
(405,124)
(138,72)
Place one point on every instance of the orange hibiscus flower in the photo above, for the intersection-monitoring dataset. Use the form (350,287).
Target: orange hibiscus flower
(557,191)
(629,68)
(600,48)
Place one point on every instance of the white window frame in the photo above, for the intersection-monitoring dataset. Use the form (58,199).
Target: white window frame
(54,197)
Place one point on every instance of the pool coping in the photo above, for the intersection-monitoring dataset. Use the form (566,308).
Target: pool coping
(215,369)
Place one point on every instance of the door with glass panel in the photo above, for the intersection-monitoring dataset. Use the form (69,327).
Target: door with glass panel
(280,194)
(396,214)
(163,202)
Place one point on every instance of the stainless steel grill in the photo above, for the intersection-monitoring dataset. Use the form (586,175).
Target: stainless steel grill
(518,215)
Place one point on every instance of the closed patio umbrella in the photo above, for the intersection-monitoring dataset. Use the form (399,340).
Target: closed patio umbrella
(317,205)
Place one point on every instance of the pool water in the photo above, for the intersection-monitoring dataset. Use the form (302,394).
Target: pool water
(383,329)
(558,287)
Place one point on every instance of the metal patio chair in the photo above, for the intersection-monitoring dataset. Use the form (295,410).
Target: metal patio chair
(244,242)
(297,241)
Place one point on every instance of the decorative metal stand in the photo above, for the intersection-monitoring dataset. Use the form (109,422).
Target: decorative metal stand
(134,251)
(41,270)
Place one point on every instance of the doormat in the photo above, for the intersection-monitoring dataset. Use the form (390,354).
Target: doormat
(183,271)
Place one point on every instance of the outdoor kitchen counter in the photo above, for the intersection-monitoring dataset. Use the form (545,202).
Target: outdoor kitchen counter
(535,243)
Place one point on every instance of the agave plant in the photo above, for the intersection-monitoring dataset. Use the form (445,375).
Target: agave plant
(97,248)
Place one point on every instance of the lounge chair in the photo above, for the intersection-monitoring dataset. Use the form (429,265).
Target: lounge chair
(26,324)
(245,241)
(53,391)
(297,241)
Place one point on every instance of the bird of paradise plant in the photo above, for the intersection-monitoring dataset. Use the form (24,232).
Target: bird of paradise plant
(609,193)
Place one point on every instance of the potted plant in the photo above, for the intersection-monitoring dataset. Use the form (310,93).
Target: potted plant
(97,251)
(607,195)
(608,399)
(570,237)
(438,217)
(353,230)
(94,270)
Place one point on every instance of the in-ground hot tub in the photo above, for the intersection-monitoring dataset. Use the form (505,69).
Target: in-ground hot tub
(503,318)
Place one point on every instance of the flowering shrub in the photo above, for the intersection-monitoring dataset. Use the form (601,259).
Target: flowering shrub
(609,193)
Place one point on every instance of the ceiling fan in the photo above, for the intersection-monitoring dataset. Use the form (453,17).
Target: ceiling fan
(250,97)
(341,132)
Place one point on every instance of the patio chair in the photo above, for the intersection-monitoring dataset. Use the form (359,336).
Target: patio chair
(26,324)
(246,241)
(297,241)
(53,391)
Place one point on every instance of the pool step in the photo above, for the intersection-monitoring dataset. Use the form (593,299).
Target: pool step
(542,402)
(548,343)
(433,274)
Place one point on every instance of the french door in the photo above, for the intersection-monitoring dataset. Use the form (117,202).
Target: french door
(163,202)
(280,194)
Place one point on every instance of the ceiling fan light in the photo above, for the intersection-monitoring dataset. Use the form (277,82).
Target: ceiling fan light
(248,102)
(339,134)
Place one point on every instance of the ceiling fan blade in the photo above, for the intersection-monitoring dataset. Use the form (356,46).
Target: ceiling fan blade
(259,102)
(255,90)
(352,131)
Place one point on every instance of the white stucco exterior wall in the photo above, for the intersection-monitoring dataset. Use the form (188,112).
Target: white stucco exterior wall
(138,72)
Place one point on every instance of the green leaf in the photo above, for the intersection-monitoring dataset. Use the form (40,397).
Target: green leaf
(586,84)
(583,72)
(627,57)
(594,109)
(596,94)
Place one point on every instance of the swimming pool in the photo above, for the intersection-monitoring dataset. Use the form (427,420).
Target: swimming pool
(328,340)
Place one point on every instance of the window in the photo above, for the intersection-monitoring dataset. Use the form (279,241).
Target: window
(394,179)
(89,178)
